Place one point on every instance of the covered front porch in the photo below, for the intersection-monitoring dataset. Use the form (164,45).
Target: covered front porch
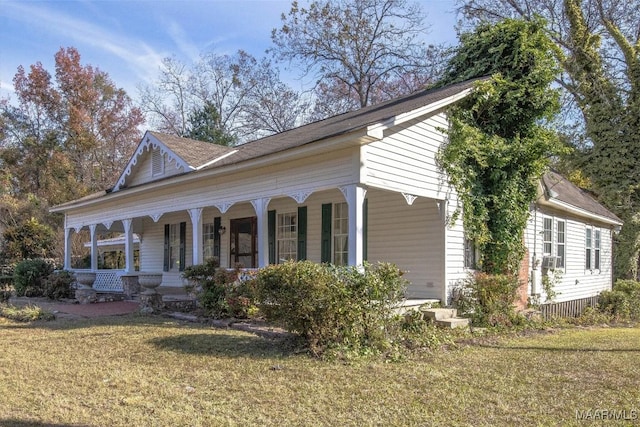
(346,226)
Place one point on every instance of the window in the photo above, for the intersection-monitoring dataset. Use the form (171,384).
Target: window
(340,234)
(588,248)
(175,237)
(208,240)
(547,237)
(596,249)
(174,247)
(469,253)
(554,240)
(560,243)
(287,237)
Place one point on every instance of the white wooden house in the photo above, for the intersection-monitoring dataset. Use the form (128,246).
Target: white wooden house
(358,186)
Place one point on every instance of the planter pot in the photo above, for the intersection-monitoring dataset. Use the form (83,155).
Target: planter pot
(85,279)
(149,281)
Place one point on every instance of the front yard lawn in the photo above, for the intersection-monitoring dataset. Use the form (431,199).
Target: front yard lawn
(139,371)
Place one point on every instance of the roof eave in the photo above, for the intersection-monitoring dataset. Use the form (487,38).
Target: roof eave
(553,202)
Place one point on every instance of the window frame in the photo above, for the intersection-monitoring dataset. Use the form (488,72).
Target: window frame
(286,235)
(588,248)
(340,237)
(551,240)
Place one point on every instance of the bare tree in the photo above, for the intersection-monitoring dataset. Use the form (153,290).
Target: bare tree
(354,49)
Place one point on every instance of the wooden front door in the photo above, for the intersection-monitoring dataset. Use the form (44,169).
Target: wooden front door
(243,242)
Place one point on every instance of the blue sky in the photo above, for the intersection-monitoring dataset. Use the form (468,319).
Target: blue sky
(128,39)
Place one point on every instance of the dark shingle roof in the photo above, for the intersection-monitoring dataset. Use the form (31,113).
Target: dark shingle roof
(565,191)
(195,152)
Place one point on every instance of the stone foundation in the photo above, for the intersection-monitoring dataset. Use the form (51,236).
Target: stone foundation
(130,286)
(150,303)
(86,296)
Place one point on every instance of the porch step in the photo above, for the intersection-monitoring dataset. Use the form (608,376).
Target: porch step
(440,313)
(446,317)
(454,322)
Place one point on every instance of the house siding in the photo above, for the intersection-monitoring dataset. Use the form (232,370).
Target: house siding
(574,281)
(411,236)
(405,159)
(142,171)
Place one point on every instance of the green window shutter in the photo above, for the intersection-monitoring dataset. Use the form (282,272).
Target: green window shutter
(271,232)
(302,233)
(183,245)
(166,247)
(217,222)
(325,242)
(365,228)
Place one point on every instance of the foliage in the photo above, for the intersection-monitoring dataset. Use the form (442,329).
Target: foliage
(58,285)
(332,308)
(362,52)
(203,124)
(30,239)
(622,303)
(219,291)
(30,275)
(597,46)
(29,313)
(498,145)
(488,300)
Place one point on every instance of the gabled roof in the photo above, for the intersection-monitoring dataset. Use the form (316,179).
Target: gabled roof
(189,154)
(563,193)
(420,101)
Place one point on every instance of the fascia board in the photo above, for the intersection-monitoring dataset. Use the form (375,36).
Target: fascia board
(354,138)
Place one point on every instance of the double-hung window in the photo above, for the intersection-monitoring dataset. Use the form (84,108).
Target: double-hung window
(340,234)
(469,253)
(208,240)
(554,240)
(287,236)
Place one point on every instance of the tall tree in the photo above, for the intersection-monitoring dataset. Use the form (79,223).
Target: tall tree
(248,96)
(356,48)
(599,48)
(203,126)
(499,141)
(81,116)
(64,137)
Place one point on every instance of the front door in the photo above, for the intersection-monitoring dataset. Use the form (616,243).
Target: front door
(243,242)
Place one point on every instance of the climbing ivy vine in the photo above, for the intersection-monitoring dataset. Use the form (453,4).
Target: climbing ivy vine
(499,144)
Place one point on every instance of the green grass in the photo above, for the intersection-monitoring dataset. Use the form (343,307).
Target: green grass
(149,371)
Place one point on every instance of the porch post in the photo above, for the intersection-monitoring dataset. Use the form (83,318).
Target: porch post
(128,246)
(354,195)
(196,226)
(94,247)
(261,205)
(67,248)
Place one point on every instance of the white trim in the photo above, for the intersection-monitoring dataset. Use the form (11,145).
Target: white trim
(377,130)
(150,142)
(217,159)
(582,212)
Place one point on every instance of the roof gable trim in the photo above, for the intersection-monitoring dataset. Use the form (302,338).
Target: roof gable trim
(150,142)
(581,212)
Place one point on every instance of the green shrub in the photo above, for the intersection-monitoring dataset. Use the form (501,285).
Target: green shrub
(219,291)
(622,303)
(332,307)
(58,285)
(28,313)
(488,299)
(30,276)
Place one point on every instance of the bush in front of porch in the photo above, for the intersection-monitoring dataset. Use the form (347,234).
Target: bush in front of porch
(342,310)
(219,291)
